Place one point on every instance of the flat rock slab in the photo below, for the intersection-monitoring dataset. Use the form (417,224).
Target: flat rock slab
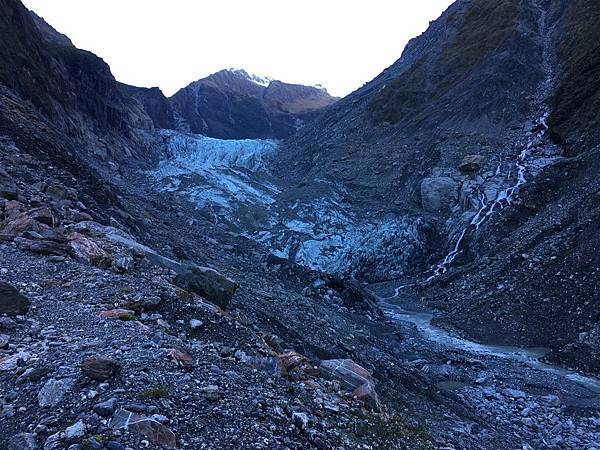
(12,302)
(152,429)
(53,392)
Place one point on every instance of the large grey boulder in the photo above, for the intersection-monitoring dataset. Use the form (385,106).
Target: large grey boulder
(438,194)
(208,283)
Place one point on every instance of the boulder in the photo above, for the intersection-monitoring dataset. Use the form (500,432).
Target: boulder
(20,224)
(43,215)
(353,378)
(155,431)
(107,408)
(472,163)
(41,246)
(23,441)
(438,193)
(12,302)
(86,250)
(100,369)
(8,188)
(350,375)
(11,362)
(53,392)
(208,283)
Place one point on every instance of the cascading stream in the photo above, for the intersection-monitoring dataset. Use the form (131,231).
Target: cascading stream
(504,198)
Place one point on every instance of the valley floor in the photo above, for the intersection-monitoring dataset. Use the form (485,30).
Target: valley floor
(508,393)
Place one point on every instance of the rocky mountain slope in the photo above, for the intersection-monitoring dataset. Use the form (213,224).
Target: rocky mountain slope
(493,96)
(231,104)
(163,289)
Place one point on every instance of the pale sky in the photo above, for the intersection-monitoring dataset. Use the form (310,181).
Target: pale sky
(340,44)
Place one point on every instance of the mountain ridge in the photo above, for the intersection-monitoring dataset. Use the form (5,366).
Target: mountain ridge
(230,104)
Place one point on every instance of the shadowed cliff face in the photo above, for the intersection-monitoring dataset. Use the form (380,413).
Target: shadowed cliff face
(232,104)
(156,105)
(73,89)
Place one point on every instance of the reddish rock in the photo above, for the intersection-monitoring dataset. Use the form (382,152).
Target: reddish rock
(118,314)
(86,250)
(181,358)
(20,224)
(100,369)
(290,360)
(155,431)
(12,209)
(347,372)
(353,378)
(366,393)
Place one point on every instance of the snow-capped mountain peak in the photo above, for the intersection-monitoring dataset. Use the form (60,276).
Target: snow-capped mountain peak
(257,79)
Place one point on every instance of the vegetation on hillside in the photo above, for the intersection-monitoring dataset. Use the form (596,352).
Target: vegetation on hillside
(577,100)
(484,27)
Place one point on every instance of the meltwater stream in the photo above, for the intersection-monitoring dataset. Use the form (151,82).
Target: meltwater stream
(529,356)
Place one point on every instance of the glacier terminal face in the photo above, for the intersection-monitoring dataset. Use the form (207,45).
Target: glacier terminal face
(214,173)
(229,181)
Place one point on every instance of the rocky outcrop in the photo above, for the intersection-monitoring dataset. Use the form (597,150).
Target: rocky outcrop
(231,104)
(438,194)
(156,105)
(49,33)
(472,163)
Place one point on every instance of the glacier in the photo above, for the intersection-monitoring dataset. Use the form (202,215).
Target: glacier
(229,180)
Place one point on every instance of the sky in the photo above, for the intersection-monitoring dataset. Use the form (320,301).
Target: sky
(340,44)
